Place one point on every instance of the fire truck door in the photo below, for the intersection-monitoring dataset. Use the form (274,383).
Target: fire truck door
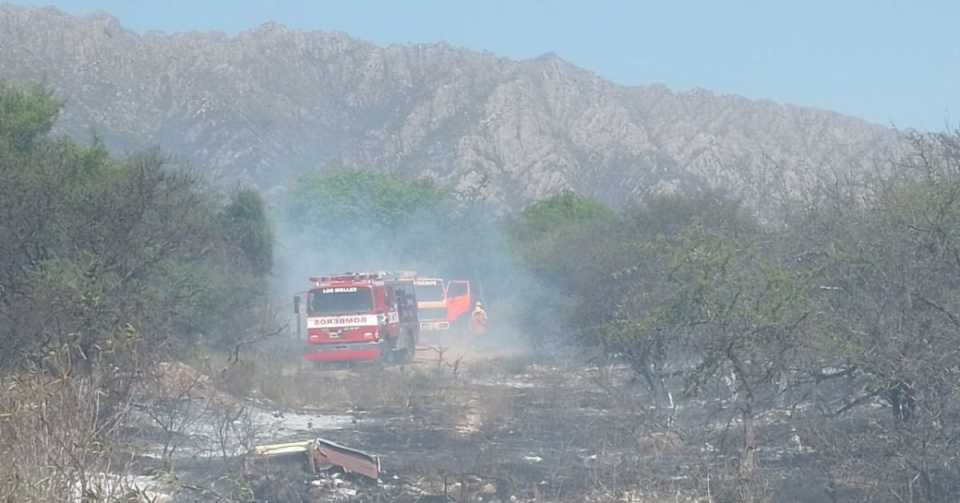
(458,299)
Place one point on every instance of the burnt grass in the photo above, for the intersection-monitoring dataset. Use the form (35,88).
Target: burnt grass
(482,427)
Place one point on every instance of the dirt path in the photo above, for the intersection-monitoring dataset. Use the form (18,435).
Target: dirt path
(475,423)
(478,423)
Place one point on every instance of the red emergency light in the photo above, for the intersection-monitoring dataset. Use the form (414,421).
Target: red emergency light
(363,276)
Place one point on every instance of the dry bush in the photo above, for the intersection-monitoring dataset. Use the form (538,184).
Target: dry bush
(173,400)
(307,390)
(240,378)
(281,377)
(191,407)
(54,434)
(271,371)
(497,369)
(401,388)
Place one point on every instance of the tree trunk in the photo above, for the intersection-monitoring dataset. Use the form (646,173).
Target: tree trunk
(748,454)
(746,476)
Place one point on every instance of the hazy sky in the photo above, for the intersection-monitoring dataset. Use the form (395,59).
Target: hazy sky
(889,61)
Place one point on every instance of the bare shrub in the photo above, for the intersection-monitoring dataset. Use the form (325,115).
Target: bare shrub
(52,430)
(232,427)
(174,403)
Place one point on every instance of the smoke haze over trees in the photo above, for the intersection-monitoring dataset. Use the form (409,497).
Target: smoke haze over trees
(845,315)
(850,312)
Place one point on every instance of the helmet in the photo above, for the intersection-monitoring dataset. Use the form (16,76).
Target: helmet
(479,304)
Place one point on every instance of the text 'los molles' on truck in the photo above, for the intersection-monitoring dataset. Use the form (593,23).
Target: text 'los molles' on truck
(360,316)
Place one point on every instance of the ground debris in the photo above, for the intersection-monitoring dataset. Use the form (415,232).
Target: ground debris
(319,453)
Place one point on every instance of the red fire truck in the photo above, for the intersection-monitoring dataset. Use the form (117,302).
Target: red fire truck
(360,316)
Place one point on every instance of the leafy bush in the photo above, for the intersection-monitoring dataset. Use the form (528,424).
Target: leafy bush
(90,245)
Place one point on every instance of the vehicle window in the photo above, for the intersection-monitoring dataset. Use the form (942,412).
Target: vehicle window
(340,301)
(429,292)
(457,289)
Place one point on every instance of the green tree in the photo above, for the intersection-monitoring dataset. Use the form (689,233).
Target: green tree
(107,267)
(889,299)
(26,114)
(562,241)
(564,210)
(639,275)
(359,219)
(740,313)
(246,227)
(361,198)
(91,245)
(362,219)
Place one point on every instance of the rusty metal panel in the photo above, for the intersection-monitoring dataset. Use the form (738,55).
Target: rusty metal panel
(320,452)
(325,452)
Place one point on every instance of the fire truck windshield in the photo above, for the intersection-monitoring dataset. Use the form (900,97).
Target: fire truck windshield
(340,300)
(429,293)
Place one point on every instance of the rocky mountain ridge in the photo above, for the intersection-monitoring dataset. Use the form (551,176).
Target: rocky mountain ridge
(269,104)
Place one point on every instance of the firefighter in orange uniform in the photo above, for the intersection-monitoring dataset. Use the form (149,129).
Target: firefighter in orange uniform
(478,320)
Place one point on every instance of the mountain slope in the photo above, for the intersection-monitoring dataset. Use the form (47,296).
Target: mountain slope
(269,104)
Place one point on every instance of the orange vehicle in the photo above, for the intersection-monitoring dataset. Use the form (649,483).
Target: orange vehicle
(460,302)
(431,304)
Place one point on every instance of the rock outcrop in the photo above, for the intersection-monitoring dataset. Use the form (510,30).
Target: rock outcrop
(270,104)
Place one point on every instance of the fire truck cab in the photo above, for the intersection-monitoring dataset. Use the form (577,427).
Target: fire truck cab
(431,304)
(360,317)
